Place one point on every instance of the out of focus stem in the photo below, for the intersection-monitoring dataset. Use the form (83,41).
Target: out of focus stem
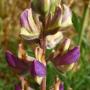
(85,22)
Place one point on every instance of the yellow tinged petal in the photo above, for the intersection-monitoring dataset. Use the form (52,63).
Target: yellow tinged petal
(32,24)
(28,35)
(38,79)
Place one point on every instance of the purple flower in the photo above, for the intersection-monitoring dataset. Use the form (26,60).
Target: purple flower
(24,19)
(38,69)
(18,87)
(61,87)
(34,67)
(70,57)
(30,29)
(15,62)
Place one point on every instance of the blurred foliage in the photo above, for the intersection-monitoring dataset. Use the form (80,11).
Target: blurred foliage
(78,79)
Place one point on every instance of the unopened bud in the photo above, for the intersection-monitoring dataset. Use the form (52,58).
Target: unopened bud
(56,19)
(68,58)
(46,4)
(53,5)
(29,28)
(42,6)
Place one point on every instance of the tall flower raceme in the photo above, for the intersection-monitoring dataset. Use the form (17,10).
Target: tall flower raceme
(42,22)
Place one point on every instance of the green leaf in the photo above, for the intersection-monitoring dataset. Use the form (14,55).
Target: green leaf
(76,22)
(51,72)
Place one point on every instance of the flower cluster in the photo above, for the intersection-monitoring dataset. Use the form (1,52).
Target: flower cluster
(42,23)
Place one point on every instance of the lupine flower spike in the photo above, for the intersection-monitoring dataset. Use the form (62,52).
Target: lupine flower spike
(43,22)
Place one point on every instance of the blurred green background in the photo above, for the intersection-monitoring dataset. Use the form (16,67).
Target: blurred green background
(9,37)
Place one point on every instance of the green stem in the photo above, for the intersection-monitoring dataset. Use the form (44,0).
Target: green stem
(84,24)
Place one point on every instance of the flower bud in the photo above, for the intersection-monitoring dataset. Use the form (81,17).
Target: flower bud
(68,58)
(56,19)
(46,4)
(41,6)
(29,29)
(53,5)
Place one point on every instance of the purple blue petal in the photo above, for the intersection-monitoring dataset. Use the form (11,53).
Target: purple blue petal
(15,62)
(70,57)
(38,69)
(24,19)
(61,87)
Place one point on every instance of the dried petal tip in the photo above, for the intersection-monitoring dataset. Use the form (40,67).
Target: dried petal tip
(70,57)
(38,69)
